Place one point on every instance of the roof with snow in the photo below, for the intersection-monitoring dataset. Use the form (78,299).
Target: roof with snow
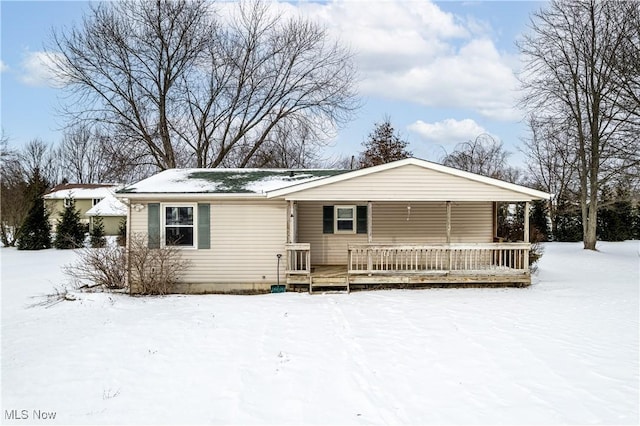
(81,191)
(108,206)
(225,181)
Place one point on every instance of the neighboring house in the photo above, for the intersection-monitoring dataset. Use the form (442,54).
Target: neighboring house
(407,222)
(85,196)
(112,211)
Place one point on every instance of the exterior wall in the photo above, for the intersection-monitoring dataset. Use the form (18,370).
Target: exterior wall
(245,238)
(411,182)
(111,224)
(55,207)
(392,223)
(326,249)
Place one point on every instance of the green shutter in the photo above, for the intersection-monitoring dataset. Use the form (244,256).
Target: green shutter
(204,226)
(361,219)
(327,219)
(153,225)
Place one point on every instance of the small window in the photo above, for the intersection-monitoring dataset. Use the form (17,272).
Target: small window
(67,202)
(96,201)
(178,229)
(345,219)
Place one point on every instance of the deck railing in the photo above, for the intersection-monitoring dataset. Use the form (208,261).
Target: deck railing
(298,258)
(490,258)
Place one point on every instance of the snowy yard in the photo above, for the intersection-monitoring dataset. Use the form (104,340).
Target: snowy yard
(564,350)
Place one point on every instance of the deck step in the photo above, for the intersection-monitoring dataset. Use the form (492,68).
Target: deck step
(332,283)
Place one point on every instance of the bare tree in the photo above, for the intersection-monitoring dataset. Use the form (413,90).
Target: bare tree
(485,156)
(572,74)
(552,164)
(181,89)
(39,156)
(14,204)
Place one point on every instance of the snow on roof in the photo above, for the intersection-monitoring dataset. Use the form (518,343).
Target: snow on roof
(226,181)
(78,192)
(108,206)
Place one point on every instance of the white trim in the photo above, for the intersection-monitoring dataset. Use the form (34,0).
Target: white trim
(354,217)
(163,224)
(534,194)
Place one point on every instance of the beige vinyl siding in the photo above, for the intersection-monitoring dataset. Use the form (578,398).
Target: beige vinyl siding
(246,236)
(408,183)
(326,249)
(471,222)
(111,224)
(55,208)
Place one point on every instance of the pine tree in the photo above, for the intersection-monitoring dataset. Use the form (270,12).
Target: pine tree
(383,146)
(98,239)
(122,233)
(35,231)
(538,220)
(69,231)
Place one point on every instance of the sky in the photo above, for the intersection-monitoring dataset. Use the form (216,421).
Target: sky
(443,72)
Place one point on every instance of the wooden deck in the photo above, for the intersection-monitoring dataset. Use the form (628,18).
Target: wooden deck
(337,278)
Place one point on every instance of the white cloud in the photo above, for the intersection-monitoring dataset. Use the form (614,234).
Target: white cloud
(36,68)
(3,67)
(413,51)
(449,131)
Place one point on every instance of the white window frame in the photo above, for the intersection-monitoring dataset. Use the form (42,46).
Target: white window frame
(353,219)
(163,225)
(66,202)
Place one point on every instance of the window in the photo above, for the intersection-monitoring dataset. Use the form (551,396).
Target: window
(67,202)
(178,226)
(96,201)
(345,219)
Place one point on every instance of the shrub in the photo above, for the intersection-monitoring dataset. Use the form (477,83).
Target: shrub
(105,267)
(154,270)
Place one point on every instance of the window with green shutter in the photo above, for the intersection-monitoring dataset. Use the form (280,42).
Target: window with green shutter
(344,219)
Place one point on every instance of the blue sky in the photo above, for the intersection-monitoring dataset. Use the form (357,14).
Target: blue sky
(442,71)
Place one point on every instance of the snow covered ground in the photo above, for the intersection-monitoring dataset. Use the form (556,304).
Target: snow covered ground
(564,350)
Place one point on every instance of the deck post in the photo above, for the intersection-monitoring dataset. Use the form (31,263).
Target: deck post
(369,234)
(449,234)
(290,222)
(526,222)
(369,222)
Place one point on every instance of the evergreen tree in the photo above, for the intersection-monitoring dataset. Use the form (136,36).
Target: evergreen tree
(383,146)
(615,216)
(122,233)
(98,239)
(538,220)
(69,231)
(636,222)
(35,231)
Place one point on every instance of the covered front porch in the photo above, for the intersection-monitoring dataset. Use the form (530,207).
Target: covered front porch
(402,244)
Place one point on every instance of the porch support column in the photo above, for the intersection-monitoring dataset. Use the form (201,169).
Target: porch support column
(448,222)
(526,222)
(448,234)
(291,223)
(369,235)
(369,222)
